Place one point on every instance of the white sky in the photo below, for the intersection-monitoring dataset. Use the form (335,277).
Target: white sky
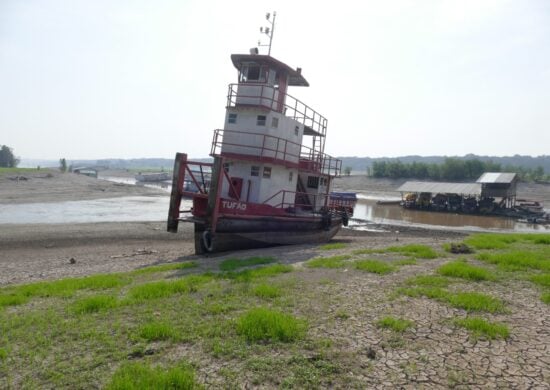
(141,78)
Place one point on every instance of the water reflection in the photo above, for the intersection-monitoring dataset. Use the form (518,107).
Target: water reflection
(165,186)
(369,210)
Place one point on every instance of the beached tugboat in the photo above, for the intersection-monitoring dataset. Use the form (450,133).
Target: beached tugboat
(269,183)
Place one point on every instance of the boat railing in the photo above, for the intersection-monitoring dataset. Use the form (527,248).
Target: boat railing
(292,200)
(266,96)
(268,148)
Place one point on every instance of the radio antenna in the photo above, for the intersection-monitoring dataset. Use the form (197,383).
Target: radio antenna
(269,30)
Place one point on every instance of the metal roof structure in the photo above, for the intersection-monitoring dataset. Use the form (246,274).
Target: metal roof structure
(443,188)
(497,177)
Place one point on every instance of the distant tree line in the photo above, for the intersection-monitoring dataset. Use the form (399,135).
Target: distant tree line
(7,158)
(452,169)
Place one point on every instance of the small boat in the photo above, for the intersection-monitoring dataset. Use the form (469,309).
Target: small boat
(269,183)
(152,177)
(531,206)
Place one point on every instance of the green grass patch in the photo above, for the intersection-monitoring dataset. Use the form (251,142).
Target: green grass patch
(155,331)
(3,354)
(469,301)
(517,260)
(428,291)
(12,299)
(414,250)
(332,246)
(233,264)
(395,324)
(490,241)
(262,324)
(542,280)
(140,376)
(367,251)
(428,281)
(473,301)
(164,268)
(67,287)
(481,327)
(545,297)
(463,270)
(374,266)
(266,291)
(163,288)
(258,273)
(93,304)
(328,262)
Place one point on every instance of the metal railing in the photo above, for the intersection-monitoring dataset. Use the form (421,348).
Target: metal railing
(267,147)
(271,98)
(289,200)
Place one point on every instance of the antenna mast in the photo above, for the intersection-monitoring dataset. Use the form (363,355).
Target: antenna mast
(268,30)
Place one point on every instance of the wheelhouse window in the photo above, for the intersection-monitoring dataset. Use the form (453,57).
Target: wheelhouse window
(290,175)
(296,130)
(253,73)
(260,120)
(232,118)
(254,170)
(313,182)
(267,173)
(274,122)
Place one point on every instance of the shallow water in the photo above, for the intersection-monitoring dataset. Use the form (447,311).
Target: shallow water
(124,209)
(368,210)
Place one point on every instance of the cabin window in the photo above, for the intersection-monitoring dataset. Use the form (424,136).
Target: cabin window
(267,173)
(253,73)
(290,176)
(312,182)
(232,118)
(297,130)
(226,167)
(254,170)
(274,122)
(260,120)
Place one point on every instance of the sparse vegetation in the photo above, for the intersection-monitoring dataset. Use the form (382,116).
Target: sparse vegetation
(94,304)
(155,331)
(141,376)
(483,328)
(164,268)
(374,266)
(414,250)
(157,315)
(395,324)
(262,324)
(461,269)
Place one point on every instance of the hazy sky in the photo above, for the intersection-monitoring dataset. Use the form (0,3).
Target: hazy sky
(130,78)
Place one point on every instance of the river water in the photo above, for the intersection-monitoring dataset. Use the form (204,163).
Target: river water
(155,208)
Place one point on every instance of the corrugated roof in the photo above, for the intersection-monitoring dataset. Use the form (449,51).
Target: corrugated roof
(444,188)
(497,177)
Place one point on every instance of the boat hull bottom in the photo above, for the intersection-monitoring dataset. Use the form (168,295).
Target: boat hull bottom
(223,241)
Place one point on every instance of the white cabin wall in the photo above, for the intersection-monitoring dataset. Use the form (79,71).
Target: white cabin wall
(245,143)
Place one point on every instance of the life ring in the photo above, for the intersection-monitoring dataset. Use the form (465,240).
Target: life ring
(207,241)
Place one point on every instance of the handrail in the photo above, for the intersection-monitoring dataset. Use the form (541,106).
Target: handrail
(284,204)
(269,97)
(285,151)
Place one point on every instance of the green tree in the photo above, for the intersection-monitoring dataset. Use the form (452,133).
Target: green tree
(63,165)
(347,171)
(7,158)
